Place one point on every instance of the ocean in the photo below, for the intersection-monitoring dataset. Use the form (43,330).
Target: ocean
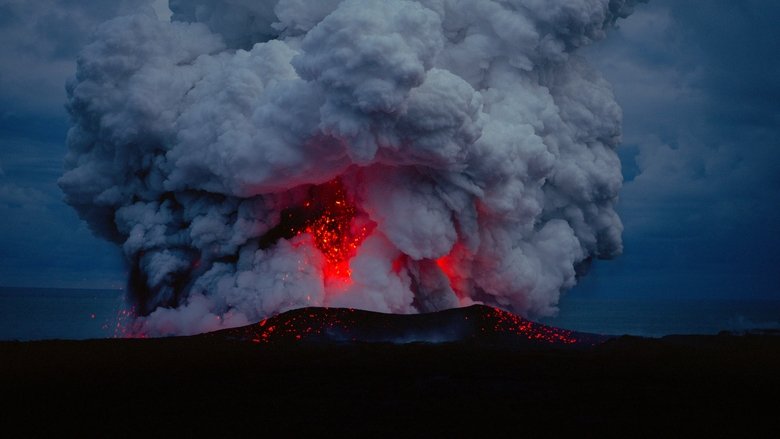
(658,317)
(55,313)
(39,314)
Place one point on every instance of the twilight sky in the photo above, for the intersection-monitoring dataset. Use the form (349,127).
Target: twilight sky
(697,80)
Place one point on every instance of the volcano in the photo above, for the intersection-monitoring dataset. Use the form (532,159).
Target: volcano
(389,155)
(348,325)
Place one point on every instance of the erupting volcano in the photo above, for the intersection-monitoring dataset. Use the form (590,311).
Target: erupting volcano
(396,156)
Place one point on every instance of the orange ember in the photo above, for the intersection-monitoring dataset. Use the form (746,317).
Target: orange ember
(334,227)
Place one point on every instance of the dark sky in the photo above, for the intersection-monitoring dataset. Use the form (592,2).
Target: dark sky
(699,83)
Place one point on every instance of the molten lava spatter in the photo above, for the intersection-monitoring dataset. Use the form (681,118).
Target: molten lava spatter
(125,324)
(332,221)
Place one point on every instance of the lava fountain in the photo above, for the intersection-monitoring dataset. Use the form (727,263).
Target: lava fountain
(330,216)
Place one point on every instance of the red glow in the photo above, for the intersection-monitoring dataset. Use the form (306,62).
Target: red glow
(448,265)
(335,229)
(398,264)
(445,264)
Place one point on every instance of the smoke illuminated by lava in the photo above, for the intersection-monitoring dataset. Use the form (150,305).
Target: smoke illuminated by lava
(333,225)
(396,156)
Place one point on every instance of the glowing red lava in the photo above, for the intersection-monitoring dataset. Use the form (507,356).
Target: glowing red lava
(334,226)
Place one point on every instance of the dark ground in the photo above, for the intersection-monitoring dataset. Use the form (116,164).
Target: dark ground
(710,386)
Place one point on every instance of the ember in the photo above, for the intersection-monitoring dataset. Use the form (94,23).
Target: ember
(124,326)
(351,325)
(332,221)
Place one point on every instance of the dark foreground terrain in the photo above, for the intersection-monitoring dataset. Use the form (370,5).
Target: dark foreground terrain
(704,386)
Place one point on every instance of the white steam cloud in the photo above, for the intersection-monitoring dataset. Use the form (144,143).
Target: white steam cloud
(467,131)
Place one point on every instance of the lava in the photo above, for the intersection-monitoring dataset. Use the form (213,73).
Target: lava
(331,217)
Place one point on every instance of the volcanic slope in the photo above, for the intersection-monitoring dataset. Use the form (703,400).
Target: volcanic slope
(474,323)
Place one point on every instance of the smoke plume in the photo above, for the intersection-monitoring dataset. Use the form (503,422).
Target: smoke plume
(252,157)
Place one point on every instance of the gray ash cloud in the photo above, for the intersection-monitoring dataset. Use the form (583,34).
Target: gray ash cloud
(469,134)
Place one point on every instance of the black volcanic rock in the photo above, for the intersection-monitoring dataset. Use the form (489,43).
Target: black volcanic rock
(222,385)
(476,322)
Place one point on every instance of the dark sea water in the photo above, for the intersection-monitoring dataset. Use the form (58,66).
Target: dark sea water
(659,317)
(53,313)
(36,314)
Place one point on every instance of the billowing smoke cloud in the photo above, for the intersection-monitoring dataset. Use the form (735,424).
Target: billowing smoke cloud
(397,156)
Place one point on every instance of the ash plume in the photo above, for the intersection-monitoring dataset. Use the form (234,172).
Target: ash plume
(252,157)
